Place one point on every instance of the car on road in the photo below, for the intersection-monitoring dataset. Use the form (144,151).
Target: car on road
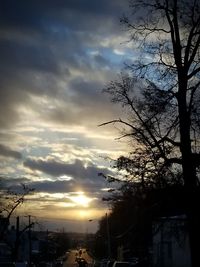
(58,263)
(123,264)
(107,262)
(21,264)
(78,258)
(44,264)
(82,262)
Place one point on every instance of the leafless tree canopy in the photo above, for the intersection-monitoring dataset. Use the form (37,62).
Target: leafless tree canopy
(159,90)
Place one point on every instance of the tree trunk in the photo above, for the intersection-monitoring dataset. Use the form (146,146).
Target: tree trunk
(189,176)
(194,228)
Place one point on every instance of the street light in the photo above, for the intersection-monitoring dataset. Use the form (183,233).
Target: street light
(29,238)
(90,220)
(108,236)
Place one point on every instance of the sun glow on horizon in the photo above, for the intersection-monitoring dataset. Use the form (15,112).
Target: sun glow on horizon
(81,200)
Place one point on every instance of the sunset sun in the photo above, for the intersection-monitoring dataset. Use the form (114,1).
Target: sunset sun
(81,200)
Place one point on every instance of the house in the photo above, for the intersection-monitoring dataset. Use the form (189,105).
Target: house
(170,243)
(5,251)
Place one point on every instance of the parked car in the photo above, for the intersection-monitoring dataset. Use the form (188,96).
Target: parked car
(134,261)
(21,264)
(103,262)
(109,263)
(122,264)
(44,264)
(7,264)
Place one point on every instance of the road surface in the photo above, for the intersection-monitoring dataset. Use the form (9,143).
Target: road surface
(72,255)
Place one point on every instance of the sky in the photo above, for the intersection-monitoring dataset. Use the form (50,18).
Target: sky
(56,57)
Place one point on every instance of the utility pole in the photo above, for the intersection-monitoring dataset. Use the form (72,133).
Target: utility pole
(108,237)
(29,239)
(16,249)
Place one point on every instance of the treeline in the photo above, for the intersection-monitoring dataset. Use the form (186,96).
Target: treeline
(130,220)
(159,92)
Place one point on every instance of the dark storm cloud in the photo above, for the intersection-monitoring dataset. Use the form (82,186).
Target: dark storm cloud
(33,13)
(8,152)
(53,22)
(26,56)
(37,37)
(53,186)
(84,177)
(13,184)
(76,170)
(67,186)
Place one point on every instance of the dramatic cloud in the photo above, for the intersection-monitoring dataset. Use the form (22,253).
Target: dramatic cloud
(47,49)
(7,152)
(77,170)
(56,57)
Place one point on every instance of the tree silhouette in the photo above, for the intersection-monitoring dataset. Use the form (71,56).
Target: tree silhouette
(160,95)
(10,201)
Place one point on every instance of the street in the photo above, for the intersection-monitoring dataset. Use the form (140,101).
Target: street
(71,259)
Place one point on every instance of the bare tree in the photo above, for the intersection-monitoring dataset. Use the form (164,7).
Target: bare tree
(151,128)
(161,93)
(10,201)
